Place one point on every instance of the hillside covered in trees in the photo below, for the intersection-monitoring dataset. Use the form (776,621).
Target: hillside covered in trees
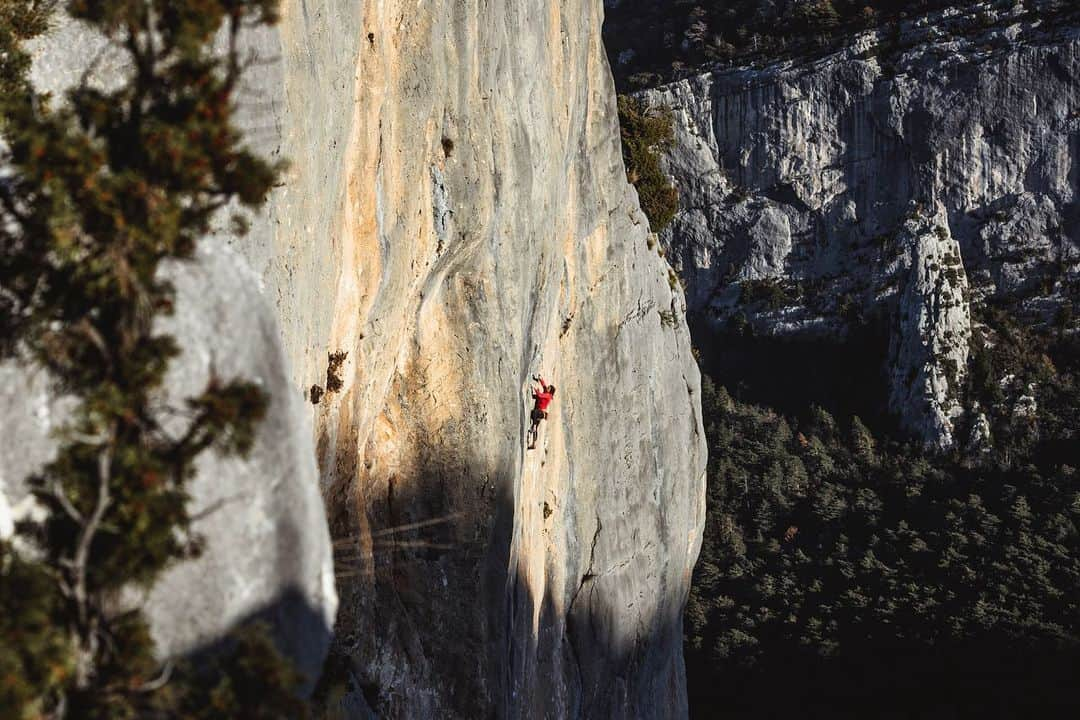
(844,571)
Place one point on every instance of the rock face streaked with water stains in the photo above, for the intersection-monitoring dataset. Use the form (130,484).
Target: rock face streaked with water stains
(455,219)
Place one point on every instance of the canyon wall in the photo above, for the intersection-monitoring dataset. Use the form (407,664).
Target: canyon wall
(456,219)
(907,180)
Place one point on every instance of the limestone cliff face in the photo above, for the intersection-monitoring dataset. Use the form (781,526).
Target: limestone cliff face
(457,219)
(809,174)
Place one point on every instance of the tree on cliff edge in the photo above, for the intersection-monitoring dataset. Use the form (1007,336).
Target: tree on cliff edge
(645,133)
(95,192)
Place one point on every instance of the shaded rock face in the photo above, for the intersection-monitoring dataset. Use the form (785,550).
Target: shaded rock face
(456,218)
(807,174)
(929,352)
(267,550)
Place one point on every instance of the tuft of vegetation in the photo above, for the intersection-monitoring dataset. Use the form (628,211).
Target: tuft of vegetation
(334,361)
(773,292)
(566,323)
(98,191)
(647,132)
(674,281)
(668,318)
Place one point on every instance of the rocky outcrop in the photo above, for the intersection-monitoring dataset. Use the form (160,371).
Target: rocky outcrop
(929,352)
(803,173)
(266,547)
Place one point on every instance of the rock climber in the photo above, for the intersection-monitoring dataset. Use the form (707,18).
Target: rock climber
(542,396)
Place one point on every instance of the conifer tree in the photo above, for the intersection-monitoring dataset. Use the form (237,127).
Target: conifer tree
(645,133)
(98,189)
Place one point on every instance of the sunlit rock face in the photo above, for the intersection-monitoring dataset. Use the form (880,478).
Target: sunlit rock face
(456,218)
(807,174)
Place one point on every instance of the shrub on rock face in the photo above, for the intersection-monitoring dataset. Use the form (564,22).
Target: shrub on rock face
(646,132)
(102,188)
(34,654)
(816,14)
(248,681)
(770,291)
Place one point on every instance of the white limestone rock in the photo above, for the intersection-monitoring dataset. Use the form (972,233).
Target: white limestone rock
(928,356)
(456,217)
(981,120)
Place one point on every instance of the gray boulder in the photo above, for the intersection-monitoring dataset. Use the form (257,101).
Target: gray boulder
(267,549)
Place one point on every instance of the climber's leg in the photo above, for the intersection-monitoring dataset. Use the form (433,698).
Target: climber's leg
(534,431)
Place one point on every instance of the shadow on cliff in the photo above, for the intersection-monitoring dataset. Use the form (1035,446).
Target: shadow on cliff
(437,619)
(421,565)
(583,663)
(297,629)
(845,376)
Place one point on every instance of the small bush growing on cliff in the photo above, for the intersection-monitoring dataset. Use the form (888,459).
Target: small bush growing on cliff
(334,361)
(645,133)
(101,189)
(774,293)
(1010,359)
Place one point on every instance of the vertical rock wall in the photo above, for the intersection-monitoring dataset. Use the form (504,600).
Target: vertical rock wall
(455,219)
(804,174)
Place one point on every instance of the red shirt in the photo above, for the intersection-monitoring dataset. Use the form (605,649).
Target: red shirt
(542,396)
